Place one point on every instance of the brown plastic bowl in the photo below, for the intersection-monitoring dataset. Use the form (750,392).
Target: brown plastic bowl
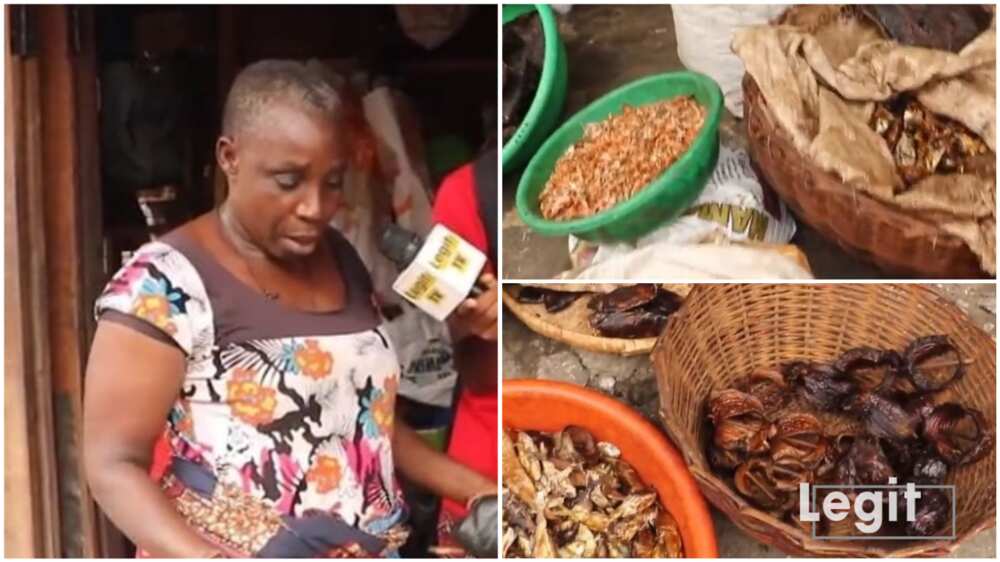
(551,406)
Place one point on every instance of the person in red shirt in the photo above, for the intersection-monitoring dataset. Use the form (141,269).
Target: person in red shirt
(466,204)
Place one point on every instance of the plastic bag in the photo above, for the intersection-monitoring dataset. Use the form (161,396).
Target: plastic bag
(703,37)
(370,197)
(734,207)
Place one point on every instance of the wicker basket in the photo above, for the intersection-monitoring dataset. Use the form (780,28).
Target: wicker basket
(723,332)
(895,241)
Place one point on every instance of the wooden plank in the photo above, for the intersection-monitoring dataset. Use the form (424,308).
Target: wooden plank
(63,247)
(102,539)
(20,504)
(228,66)
(31,471)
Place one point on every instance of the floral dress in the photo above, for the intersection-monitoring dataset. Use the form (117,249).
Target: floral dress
(281,436)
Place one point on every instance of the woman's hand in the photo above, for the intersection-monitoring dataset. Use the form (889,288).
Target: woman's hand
(132,381)
(477,317)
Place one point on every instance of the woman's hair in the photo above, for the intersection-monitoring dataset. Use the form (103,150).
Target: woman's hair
(263,83)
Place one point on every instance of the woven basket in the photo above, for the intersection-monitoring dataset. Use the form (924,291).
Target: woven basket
(572,327)
(895,241)
(723,332)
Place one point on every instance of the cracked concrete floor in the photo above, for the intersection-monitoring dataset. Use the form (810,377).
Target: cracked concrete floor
(632,381)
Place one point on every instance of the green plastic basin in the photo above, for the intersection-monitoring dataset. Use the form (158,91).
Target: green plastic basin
(547,105)
(664,198)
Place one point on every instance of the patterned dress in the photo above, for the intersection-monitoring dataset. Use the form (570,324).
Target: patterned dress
(281,437)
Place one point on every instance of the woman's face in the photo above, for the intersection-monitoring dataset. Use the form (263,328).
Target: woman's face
(285,174)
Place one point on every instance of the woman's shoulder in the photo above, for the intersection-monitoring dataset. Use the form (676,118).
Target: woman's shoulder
(159,286)
(159,258)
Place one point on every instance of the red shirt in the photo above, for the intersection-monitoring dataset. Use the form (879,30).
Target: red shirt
(474,434)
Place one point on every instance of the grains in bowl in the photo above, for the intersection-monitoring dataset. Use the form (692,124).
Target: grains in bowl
(619,156)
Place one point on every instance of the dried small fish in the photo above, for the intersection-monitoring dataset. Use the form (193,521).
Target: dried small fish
(924,144)
(608,511)
(515,477)
(619,156)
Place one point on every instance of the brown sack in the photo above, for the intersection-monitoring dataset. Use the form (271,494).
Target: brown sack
(820,73)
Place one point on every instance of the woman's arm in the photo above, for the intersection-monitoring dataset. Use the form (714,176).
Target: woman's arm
(435,471)
(132,381)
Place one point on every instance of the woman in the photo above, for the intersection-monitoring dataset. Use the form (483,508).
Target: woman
(253,332)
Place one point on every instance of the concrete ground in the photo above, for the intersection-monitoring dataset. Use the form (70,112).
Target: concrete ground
(609,46)
(632,381)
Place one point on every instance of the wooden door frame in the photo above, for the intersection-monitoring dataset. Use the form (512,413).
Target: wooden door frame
(30,472)
(53,272)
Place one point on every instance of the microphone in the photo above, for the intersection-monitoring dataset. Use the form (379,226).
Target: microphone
(436,274)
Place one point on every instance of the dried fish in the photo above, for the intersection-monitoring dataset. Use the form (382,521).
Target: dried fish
(856,363)
(918,355)
(929,469)
(515,477)
(768,386)
(864,463)
(799,443)
(732,403)
(554,301)
(960,435)
(922,143)
(769,451)
(530,295)
(933,510)
(605,510)
(636,323)
(820,385)
(633,311)
(935,27)
(883,417)
(755,480)
(523,55)
(624,298)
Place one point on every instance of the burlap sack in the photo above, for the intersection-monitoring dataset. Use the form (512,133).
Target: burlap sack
(821,71)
